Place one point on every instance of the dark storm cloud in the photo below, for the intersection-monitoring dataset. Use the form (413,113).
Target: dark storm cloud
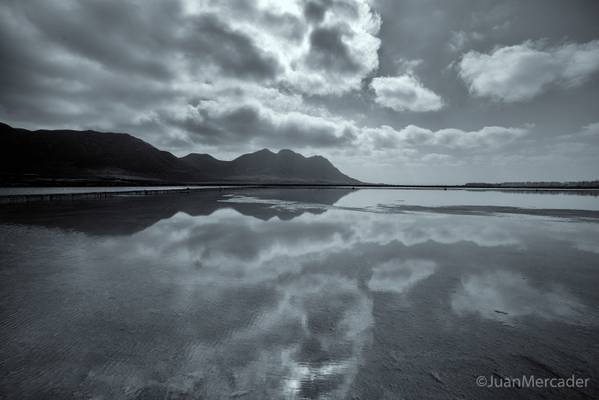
(65,63)
(329,51)
(137,65)
(142,38)
(114,34)
(248,123)
(233,52)
(75,62)
(315,10)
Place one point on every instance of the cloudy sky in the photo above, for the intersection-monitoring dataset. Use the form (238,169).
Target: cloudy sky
(400,91)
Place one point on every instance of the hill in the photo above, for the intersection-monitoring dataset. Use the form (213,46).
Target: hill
(90,157)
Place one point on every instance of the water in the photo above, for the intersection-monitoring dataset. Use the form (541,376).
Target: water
(297,293)
(11,191)
(573,200)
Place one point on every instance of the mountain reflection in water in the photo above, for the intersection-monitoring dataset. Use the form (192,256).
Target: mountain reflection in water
(285,294)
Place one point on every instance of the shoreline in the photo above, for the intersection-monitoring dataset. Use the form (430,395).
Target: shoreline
(36,197)
(158,190)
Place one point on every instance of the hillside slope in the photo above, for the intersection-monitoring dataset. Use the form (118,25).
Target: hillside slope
(62,155)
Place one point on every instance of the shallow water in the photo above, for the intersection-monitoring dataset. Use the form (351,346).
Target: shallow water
(14,191)
(295,293)
(572,200)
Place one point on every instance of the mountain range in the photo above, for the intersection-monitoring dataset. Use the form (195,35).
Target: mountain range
(91,157)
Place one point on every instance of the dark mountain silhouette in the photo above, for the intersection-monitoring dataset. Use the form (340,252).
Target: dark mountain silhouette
(205,165)
(67,156)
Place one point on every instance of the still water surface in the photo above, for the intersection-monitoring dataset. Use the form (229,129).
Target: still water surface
(297,293)
(19,191)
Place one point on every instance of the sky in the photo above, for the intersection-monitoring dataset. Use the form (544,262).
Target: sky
(394,91)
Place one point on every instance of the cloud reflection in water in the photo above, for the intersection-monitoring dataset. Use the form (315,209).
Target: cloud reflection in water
(264,302)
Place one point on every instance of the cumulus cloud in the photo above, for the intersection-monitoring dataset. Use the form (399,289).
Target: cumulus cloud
(524,71)
(405,93)
(330,47)
(415,136)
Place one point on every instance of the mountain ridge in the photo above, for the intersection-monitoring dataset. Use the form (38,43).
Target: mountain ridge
(70,155)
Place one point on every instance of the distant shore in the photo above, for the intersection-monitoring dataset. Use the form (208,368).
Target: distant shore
(24,182)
